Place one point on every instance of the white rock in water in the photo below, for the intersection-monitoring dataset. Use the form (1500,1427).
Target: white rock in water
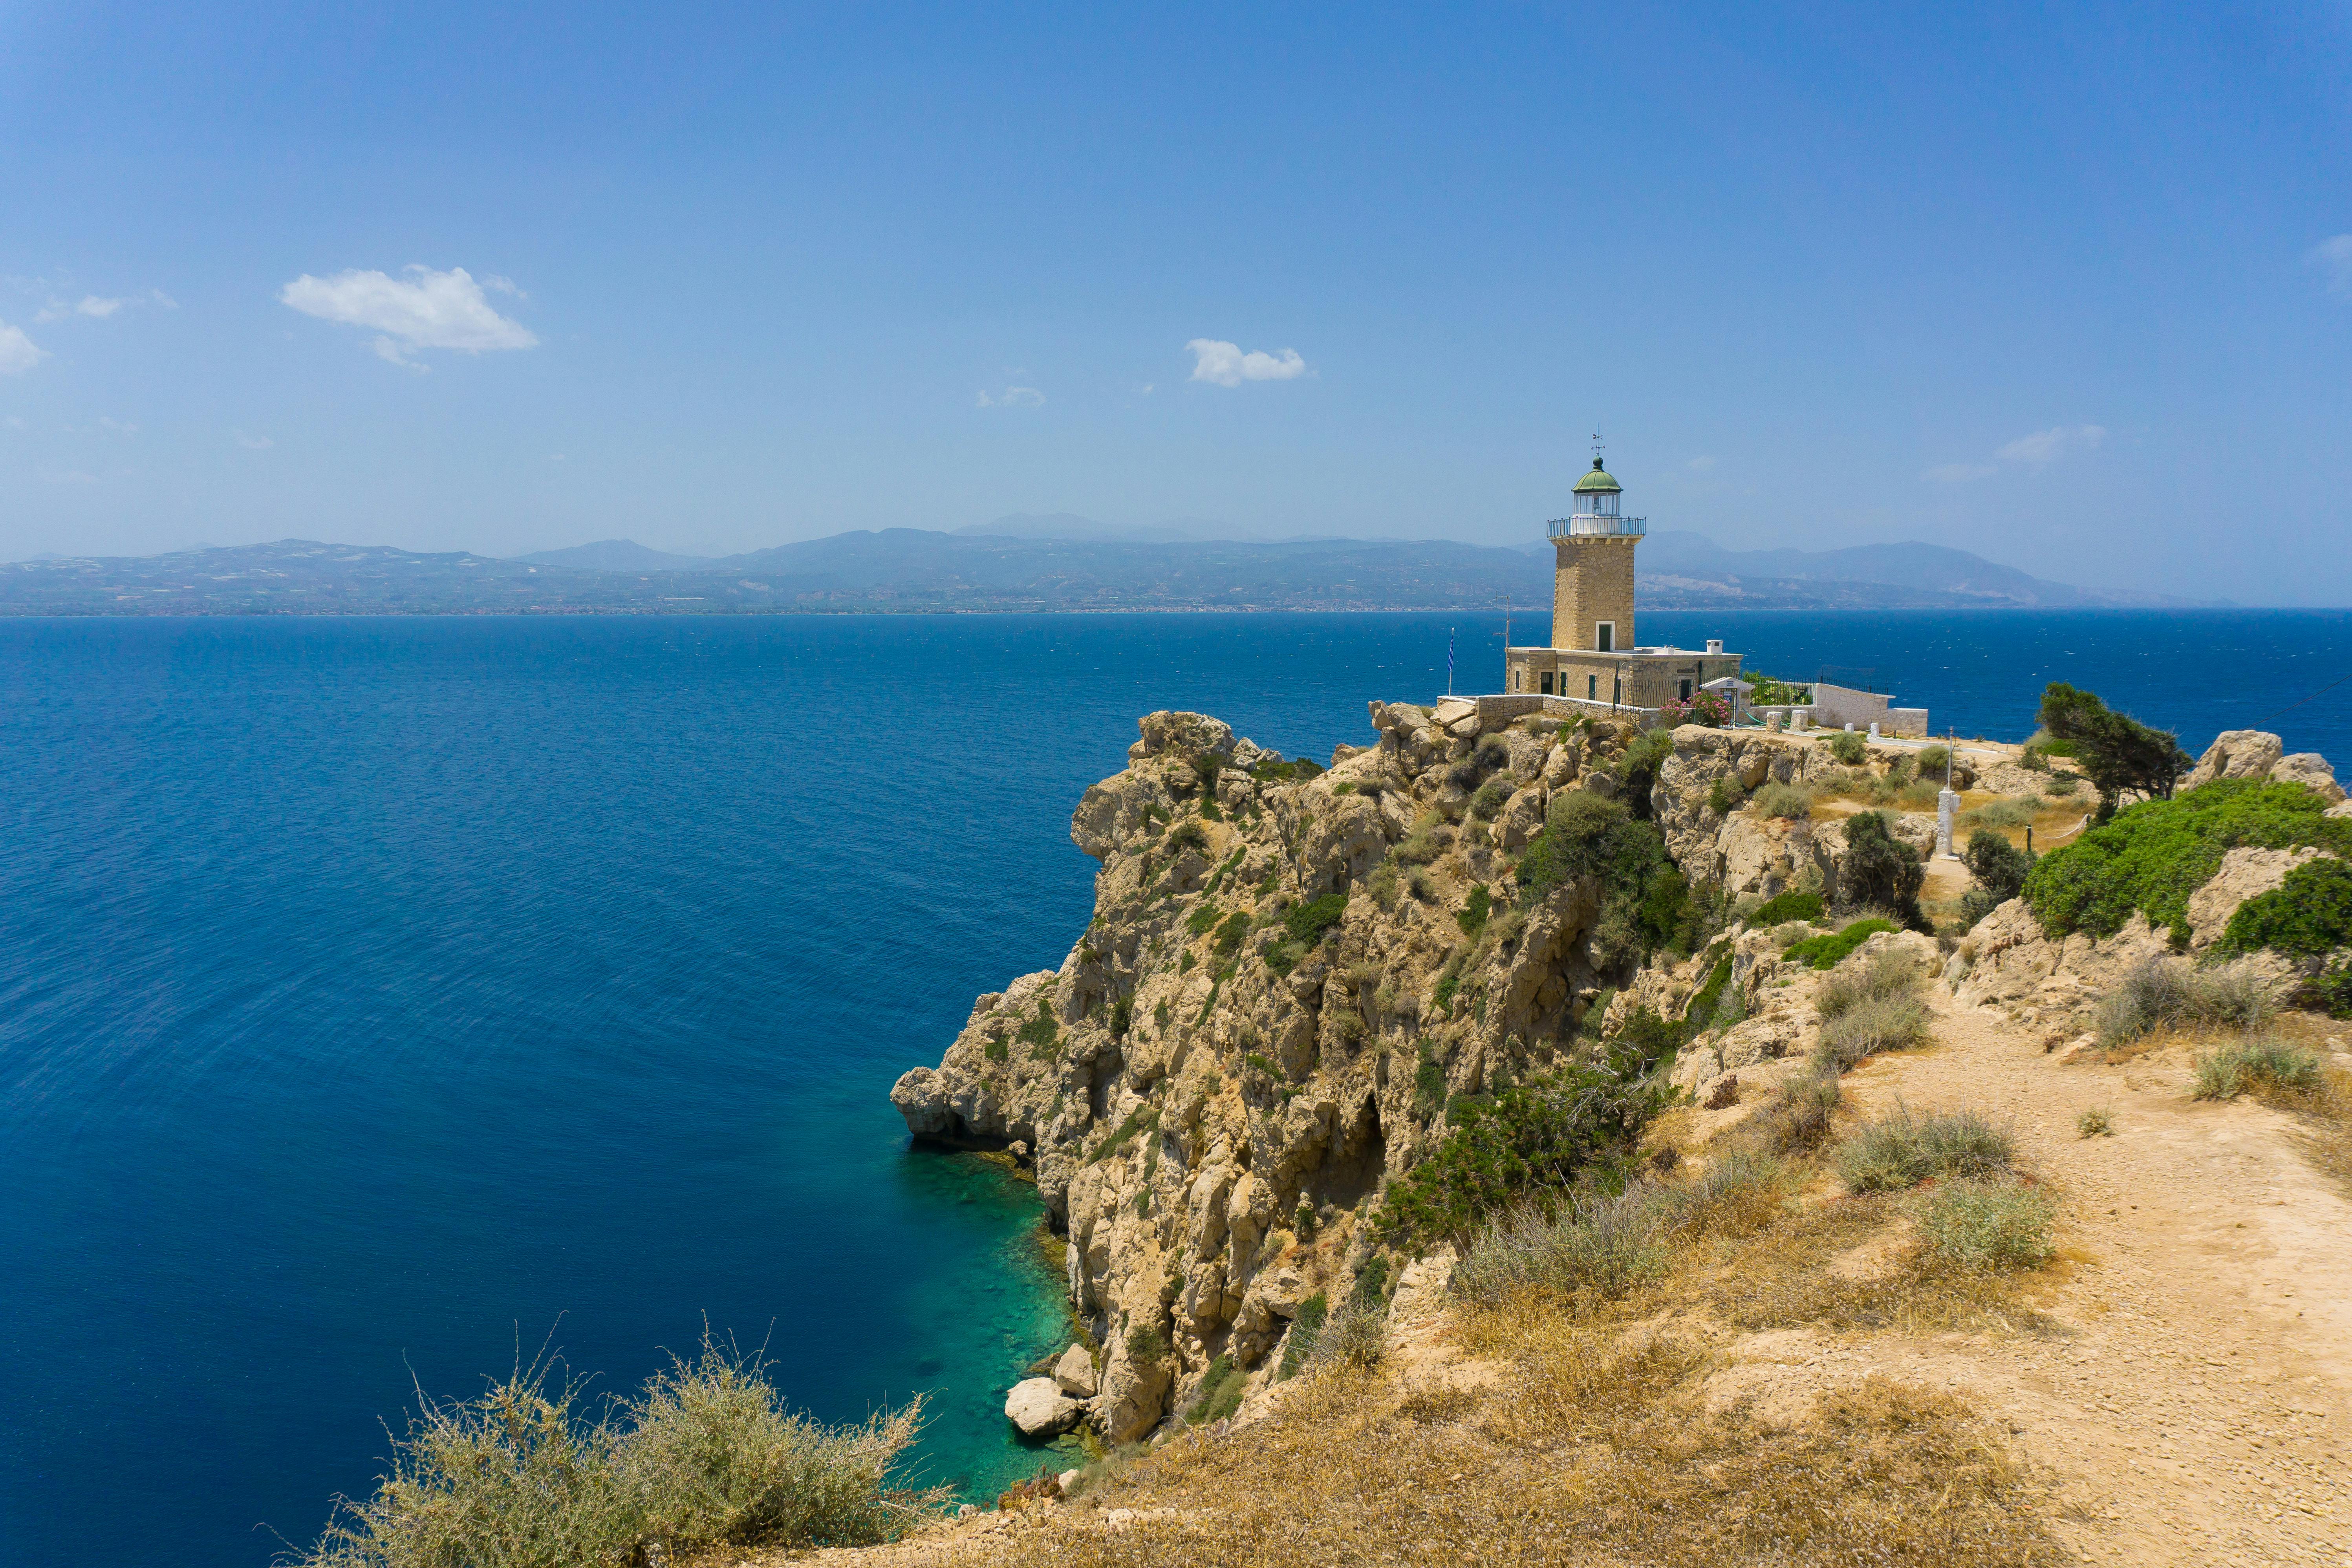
(1075,1372)
(1039,1407)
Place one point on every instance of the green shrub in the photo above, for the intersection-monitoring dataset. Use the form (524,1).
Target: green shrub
(1933,761)
(1220,1393)
(1975,1226)
(1827,951)
(1160,1012)
(1531,1139)
(1441,998)
(2308,915)
(994,1049)
(1771,693)
(1371,1288)
(1487,804)
(1146,1345)
(1724,795)
(2000,866)
(1849,747)
(1790,905)
(1141,1117)
(1298,770)
(1700,1013)
(1919,796)
(1185,961)
(1383,883)
(2097,1123)
(1880,868)
(1230,935)
(1902,1150)
(1122,1017)
(1794,803)
(1188,835)
(1637,770)
(1472,916)
(1041,1034)
(1428,1081)
(1304,1330)
(1201,918)
(705,1457)
(2153,856)
(2252,1066)
(2158,993)
(2063,784)
(2330,990)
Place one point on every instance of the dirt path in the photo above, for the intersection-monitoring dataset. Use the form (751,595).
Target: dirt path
(2197,1407)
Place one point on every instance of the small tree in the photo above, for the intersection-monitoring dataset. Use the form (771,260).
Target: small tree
(1999,869)
(1880,868)
(2117,752)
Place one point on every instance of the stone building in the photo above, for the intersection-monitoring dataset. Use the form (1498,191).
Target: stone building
(1594,660)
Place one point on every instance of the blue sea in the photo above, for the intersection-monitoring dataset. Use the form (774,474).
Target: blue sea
(382,998)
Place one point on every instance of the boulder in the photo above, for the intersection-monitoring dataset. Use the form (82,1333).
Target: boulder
(2236,755)
(2311,770)
(1134,1394)
(1074,1374)
(1185,734)
(1522,818)
(1039,1407)
(1451,711)
(2244,872)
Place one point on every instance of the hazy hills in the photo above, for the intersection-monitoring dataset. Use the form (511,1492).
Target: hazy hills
(1020,563)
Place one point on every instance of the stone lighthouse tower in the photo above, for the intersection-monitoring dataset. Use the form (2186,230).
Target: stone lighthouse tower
(1592,582)
(1593,663)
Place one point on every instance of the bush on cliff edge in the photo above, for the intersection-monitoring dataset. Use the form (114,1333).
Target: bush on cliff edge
(706,1456)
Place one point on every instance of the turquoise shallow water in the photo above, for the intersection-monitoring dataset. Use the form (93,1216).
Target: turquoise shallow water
(374,993)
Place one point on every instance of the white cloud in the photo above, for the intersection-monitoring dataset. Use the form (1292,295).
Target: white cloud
(1702,464)
(253,443)
(2044,448)
(1224,364)
(98,308)
(2036,452)
(119,426)
(17,352)
(2335,256)
(425,310)
(1014,397)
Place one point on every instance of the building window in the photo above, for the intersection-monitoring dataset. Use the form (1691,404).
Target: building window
(1687,690)
(1605,636)
(1546,683)
(1592,688)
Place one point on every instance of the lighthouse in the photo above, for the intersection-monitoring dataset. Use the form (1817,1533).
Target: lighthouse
(1594,663)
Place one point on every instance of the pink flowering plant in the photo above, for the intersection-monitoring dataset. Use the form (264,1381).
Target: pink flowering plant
(1705,708)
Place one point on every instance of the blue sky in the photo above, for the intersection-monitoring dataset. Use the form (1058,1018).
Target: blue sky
(2068,286)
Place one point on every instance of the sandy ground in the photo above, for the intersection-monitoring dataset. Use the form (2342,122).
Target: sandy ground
(2196,1406)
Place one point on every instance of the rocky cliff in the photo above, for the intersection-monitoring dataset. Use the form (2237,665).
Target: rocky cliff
(1288,974)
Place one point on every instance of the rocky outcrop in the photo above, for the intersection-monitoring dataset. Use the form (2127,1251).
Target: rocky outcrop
(2236,755)
(2257,754)
(1287,981)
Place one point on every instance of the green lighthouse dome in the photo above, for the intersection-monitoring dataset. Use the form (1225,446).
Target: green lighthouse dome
(1598,480)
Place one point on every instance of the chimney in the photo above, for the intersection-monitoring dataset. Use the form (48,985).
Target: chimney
(1715,645)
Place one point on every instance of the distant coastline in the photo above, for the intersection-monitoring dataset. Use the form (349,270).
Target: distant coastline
(913,570)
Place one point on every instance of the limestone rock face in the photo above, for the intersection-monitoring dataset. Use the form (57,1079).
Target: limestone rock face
(2236,755)
(1212,1092)
(2309,769)
(1041,1409)
(1074,1374)
(2243,873)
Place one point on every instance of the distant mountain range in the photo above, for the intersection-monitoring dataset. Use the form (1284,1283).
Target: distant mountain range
(1019,563)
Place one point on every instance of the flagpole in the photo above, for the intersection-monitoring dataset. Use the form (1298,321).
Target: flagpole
(1449,661)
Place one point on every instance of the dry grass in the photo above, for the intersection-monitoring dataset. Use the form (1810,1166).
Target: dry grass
(1588,1446)
(2160,994)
